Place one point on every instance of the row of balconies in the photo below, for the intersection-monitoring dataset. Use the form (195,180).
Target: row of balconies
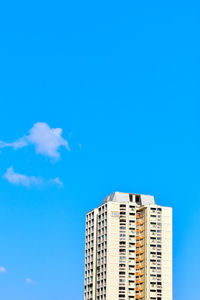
(140,280)
(140,229)
(89,248)
(89,227)
(139,272)
(103,215)
(89,251)
(89,254)
(101,293)
(88,276)
(89,267)
(140,236)
(101,281)
(102,240)
(139,223)
(89,238)
(100,256)
(140,295)
(155,216)
(140,258)
(102,231)
(140,265)
(102,224)
(88,281)
(90,217)
(101,284)
(88,295)
(89,245)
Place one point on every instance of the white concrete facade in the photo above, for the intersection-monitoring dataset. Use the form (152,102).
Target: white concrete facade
(128,251)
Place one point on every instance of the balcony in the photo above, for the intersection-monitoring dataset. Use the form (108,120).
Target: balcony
(131,239)
(140,243)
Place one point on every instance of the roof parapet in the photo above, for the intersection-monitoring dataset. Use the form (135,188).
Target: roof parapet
(126,197)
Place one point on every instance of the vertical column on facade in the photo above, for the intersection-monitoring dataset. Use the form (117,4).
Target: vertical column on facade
(166,253)
(101,253)
(95,253)
(131,251)
(155,255)
(86,266)
(90,256)
(98,257)
(140,255)
(159,253)
(122,251)
(112,292)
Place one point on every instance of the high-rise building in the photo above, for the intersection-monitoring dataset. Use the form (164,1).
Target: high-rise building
(128,249)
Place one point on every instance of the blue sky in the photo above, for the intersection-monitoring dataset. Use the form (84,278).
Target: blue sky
(121,79)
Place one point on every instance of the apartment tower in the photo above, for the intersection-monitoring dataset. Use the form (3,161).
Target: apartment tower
(128,249)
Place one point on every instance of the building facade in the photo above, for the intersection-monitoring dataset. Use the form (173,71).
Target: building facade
(128,249)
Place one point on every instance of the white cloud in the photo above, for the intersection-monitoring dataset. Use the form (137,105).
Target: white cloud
(17,144)
(29,280)
(57,181)
(2,269)
(20,179)
(46,140)
(28,181)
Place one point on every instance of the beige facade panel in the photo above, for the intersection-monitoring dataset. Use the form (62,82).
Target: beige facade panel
(128,251)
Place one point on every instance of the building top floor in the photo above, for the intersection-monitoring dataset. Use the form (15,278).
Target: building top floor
(139,199)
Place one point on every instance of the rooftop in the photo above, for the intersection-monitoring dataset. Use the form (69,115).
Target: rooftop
(127,197)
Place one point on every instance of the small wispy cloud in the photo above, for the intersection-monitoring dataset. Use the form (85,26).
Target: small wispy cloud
(46,140)
(57,181)
(29,280)
(21,179)
(2,269)
(17,144)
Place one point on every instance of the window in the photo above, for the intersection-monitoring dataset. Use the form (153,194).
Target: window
(132,214)
(114,214)
(122,250)
(122,258)
(138,199)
